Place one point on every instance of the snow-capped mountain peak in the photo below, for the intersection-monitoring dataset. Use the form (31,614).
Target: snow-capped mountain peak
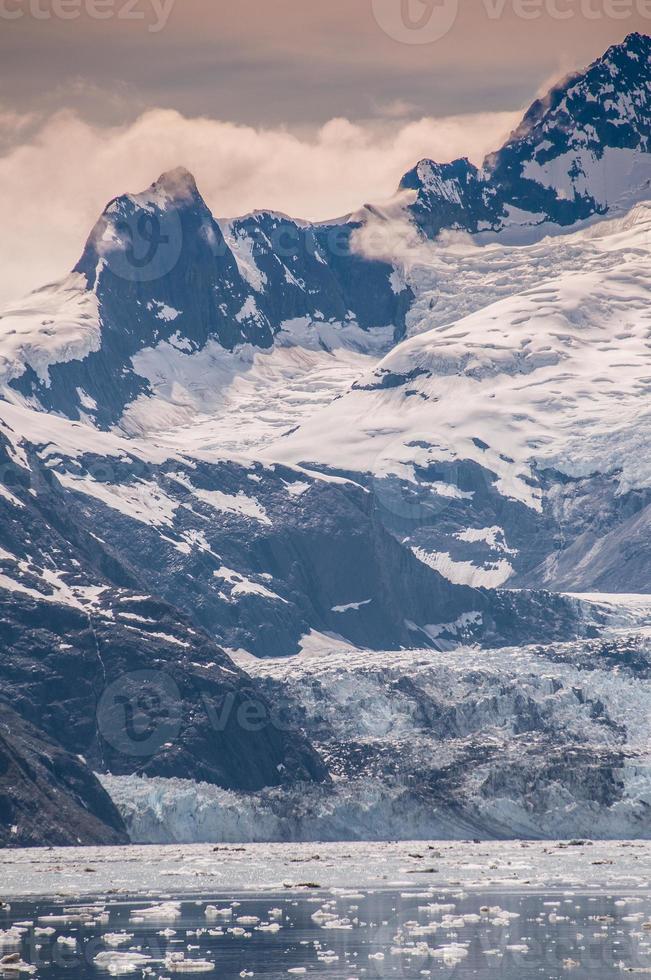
(177,185)
(580,151)
(623,68)
(163,275)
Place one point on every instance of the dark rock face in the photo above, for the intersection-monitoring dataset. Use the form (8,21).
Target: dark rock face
(96,663)
(148,253)
(606,538)
(313,271)
(262,577)
(134,688)
(452,195)
(555,166)
(47,794)
(586,115)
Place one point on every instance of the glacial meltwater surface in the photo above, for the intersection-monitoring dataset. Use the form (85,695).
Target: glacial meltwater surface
(335,932)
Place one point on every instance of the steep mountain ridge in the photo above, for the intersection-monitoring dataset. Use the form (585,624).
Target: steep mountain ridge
(260,556)
(580,151)
(158,268)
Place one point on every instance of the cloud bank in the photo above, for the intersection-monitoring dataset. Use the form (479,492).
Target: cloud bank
(54,184)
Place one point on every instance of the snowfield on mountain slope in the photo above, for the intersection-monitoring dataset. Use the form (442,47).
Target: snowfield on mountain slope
(219,402)
(226,405)
(55,324)
(557,375)
(545,305)
(554,371)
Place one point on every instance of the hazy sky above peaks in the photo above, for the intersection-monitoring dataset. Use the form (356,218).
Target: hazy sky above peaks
(311,107)
(297,62)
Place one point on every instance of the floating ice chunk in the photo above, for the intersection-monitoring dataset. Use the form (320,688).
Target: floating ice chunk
(84,910)
(116,938)
(450,954)
(337,923)
(322,916)
(177,963)
(119,963)
(165,910)
(212,912)
(13,962)
(65,919)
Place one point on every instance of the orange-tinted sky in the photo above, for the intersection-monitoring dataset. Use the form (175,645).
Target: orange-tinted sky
(298,62)
(306,106)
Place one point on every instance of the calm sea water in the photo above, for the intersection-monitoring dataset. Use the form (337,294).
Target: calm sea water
(553,936)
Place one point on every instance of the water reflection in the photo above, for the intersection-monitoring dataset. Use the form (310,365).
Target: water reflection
(331,933)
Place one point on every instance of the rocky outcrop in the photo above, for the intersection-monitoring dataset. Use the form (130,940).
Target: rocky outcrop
(49,796)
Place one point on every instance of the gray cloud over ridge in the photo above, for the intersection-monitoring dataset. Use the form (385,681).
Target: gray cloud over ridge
(55,182)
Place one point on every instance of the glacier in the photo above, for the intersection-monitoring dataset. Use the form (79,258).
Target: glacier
(531,742)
